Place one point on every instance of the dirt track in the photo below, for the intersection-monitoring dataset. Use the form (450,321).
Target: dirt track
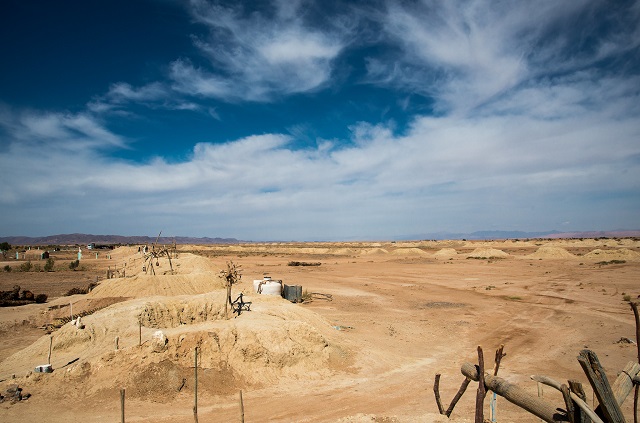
(400,313)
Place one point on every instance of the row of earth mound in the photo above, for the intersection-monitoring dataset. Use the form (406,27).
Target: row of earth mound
(543,252)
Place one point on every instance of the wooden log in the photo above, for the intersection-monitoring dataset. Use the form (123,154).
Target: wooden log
(583,405)
(241,408)
(598,379)
(623,385)
(436,392)
(482,389)
(576,387)
(568,403)
(516,395)
(456,398)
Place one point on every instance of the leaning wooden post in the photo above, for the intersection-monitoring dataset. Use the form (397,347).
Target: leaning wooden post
(436,392)
(50,348)
(139,332)
(456,398)
(116,343)
(195,390)
(122,405)
(482,391)
(241,408)
(598,379)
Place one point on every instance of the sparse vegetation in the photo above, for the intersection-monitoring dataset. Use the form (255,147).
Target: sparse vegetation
(626,297)
(604,263)
(303,263)
(5,247)
(17,298)
(48,267)
(8,268)
(26,266)
(82,291)
(74,264)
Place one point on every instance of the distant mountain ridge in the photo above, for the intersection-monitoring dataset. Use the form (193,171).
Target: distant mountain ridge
(85,239)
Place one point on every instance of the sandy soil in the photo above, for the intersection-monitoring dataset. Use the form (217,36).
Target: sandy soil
(384,319)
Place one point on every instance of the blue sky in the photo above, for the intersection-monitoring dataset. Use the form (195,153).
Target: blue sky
(318,120)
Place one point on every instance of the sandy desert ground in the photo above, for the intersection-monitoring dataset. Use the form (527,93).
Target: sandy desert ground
(384,319)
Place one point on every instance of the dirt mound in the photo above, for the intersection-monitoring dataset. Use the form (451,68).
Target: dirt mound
(373,251)
(550,252)
(409,252)
(149,286)
(620,254)
(446,253)
(275,340)
(488,253)
(171,314)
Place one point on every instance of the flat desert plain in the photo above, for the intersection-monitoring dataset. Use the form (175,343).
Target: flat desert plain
(379,321)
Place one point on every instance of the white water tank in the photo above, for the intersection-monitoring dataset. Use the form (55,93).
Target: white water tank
(267,286)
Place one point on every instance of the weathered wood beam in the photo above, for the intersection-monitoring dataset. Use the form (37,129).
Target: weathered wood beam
(516,395)
(582,404)
(598,379)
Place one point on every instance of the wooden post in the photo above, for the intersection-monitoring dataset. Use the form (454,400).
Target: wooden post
(195,389)
(481,388)
(116,342)
(598,379)
(122,405)
(139,332)
(50,348)
(516,395)
(436,392)
(576,388)
(634,307)
(456,398)
(241,408)
(568,403)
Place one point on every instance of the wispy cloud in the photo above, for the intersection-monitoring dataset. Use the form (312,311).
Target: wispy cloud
(255,56)
(467,53)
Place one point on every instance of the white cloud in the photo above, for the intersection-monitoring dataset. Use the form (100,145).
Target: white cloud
(257,58)
(465,54)
(442,174)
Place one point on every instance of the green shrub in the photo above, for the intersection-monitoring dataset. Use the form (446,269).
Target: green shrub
(26,266)
(49,266)
(8,268)
(74,264)
(41,298)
